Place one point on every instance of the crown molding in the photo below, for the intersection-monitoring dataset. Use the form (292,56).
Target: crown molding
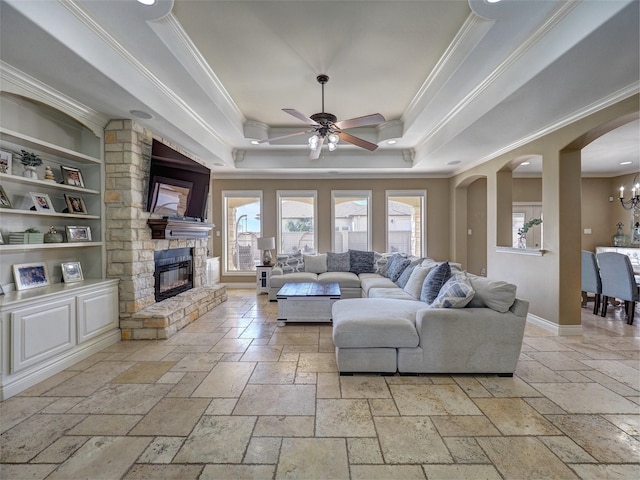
(108,40)
(499,71)
(20,83)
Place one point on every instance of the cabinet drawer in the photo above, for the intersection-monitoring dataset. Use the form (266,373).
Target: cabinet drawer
(97,313)
(41,332)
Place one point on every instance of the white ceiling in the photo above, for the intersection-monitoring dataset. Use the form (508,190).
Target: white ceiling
(458,82)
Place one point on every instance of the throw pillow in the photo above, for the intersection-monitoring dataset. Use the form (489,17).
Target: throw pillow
(456,293)
(315,263)
(405,275)
(380,261)
(434,281)
(337,262)
(397,267)
(414,285)
(361,261)
(496,295)
(290,263)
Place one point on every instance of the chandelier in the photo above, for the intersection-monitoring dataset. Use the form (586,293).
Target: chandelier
(633,202)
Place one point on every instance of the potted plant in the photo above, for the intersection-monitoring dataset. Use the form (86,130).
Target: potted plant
(522,231)
(30,161)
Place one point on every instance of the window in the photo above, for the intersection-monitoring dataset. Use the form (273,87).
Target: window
(241,230)
(406,221)
(297,221)
(350,220)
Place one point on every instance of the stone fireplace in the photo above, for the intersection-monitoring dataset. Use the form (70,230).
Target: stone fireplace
(131,250)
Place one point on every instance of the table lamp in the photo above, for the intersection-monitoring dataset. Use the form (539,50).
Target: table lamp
(266,244)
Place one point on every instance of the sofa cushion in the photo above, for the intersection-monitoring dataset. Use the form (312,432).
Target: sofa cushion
(397,267)
(344,279)
(367,283)
(277,281)
(414,284)
(380,261)
(361,261)
(372,322)
(393,293)
(434,281)
(496,295)
(456,293)
(337,262)
(405,275)
(315,263)
(290,262)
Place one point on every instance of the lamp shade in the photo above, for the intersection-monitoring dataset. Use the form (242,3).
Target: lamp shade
(266,243)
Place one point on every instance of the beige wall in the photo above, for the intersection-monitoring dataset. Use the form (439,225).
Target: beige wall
(437,209)
(477,223)
(552,280)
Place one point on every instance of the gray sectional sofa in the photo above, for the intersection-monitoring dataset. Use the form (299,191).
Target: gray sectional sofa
(422,317)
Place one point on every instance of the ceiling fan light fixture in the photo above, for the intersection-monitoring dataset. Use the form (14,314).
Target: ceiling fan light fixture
(333,139)
(332,147)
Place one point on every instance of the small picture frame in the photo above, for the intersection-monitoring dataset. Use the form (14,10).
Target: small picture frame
(72,176)
(75,204)
(42,202)
(71,272)
(5,162)
(5,201)
(30,275)
(78,234)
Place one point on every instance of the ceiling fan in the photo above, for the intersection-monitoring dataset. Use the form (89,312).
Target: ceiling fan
(326,127)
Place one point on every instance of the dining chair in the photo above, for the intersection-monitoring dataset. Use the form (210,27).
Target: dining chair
(591,282)
(618,281)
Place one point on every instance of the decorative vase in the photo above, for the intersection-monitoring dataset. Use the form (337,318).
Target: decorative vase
(30,172)
(522,241)
(53,236)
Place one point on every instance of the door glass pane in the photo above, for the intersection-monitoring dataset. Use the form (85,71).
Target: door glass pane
(243,228)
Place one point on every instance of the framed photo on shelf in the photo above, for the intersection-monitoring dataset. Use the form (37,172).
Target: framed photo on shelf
(72,176)
(75,204)
(30,275)
(72,272)
(78,234)
(42,202)
(5,162)
(5,202)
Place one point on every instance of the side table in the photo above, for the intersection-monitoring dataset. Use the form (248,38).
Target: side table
(263,272)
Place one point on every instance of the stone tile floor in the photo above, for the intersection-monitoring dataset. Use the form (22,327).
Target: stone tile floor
(234,396)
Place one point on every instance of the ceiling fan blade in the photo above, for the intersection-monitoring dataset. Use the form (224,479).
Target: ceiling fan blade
(273,139)
(315,154)
(373,119)
(300,116)
(357,141)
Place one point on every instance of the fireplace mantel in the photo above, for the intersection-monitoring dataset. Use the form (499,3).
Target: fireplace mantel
(168,227)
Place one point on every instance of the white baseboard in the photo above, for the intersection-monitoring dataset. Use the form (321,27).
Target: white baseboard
(559,330)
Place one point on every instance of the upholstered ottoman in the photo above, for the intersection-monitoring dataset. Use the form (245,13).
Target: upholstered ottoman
(367,333)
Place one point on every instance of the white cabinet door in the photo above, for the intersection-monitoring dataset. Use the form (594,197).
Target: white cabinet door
(41,332)
(97,313)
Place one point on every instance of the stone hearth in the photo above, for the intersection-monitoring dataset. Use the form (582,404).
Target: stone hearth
(130,248)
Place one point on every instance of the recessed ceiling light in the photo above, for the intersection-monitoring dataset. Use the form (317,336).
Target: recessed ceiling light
(525,163)
(392,142)
(255,142)
(455,162)
(147,2)
(626,163)
(141,114)
(488,1)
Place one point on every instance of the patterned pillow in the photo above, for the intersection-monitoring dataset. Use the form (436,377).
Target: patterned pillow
(290,263)
(456,293)
(315,263)
(361,261)
(337,262)
(434,281)
(414,285)
(397,267)
(380,261)
(404,277)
